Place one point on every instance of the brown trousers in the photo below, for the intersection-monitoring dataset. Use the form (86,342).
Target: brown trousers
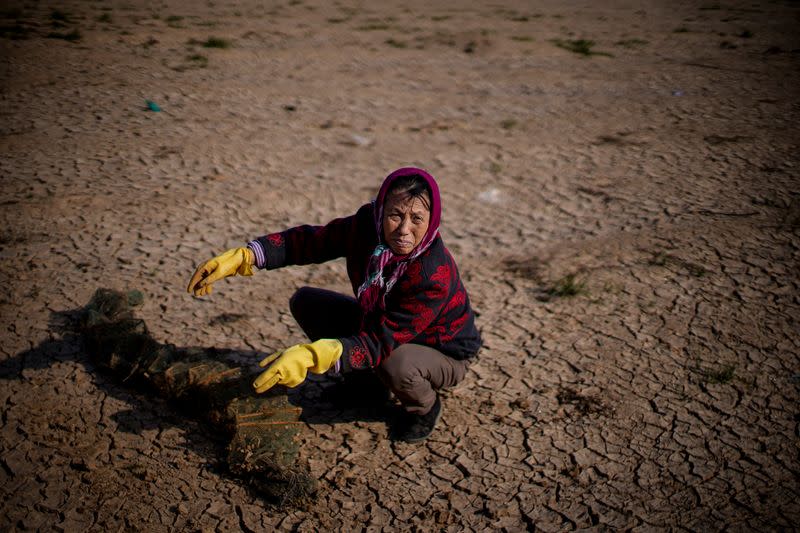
(412,372)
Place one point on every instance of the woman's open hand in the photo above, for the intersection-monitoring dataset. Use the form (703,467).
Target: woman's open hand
(234,261)
(290,366)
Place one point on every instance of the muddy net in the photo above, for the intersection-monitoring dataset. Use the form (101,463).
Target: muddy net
(208,384)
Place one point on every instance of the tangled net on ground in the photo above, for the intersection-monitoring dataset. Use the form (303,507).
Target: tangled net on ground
(262,448)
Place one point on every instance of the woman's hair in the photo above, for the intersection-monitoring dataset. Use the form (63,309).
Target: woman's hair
(414,186)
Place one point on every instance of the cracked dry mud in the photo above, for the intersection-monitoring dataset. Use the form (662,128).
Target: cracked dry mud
(627,226)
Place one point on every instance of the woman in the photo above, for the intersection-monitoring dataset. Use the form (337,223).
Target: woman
(411,320)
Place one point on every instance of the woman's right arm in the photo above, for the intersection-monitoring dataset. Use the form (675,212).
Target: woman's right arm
(235,261)
(303,245)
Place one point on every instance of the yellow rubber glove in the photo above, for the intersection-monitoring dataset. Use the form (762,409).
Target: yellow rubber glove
(235,261)
(290,366)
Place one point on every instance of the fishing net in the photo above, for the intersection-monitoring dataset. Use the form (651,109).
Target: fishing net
(210,384)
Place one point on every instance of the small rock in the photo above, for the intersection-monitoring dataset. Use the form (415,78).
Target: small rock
(83,464)
(465,464)
(521,403)
(491,196)
(250,517)
(356,140)
(217,509)
(17,463)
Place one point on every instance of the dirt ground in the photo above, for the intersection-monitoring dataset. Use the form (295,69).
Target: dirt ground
(625,215)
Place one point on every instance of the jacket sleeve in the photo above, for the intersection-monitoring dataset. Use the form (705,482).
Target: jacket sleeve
(419,300)
(303,245)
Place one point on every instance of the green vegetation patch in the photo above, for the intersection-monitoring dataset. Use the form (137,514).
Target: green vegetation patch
(664,259)
(721,375)
(715,375)
(583,404)
(174,21)
(631,43)
(396,44)
(198,60)
(59,16)
(73,36)
(579,46)
(374,26)
(567,286)
(216,42)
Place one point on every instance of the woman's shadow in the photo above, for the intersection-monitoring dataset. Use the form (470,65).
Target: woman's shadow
(320,400)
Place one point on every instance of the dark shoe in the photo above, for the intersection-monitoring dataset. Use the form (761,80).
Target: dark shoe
(416,428)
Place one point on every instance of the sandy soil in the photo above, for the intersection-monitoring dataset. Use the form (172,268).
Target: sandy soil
(657,181)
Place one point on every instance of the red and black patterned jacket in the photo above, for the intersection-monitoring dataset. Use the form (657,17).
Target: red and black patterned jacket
(428,305)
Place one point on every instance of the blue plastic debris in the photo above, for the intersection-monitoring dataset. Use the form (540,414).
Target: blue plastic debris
(152,106)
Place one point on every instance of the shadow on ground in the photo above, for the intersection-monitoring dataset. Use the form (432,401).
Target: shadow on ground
(252,436)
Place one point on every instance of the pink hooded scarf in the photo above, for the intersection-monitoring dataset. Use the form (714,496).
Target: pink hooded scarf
(373,291)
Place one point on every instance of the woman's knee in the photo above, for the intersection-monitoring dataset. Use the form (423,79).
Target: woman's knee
(296,301)
(410,364)
(399,368)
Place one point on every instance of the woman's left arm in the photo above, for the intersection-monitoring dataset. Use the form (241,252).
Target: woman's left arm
(420,301)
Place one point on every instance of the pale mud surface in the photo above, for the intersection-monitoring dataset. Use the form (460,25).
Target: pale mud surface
(664,177)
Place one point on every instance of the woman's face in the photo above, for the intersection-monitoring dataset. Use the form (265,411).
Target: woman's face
(405,221)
